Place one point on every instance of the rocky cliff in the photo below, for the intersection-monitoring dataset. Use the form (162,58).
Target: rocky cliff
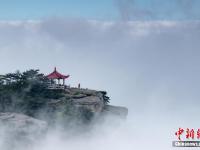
(19,129)
(28,107)
(29,93)
(87,103)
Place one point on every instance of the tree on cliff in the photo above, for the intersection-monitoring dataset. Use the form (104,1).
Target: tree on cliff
(25,92)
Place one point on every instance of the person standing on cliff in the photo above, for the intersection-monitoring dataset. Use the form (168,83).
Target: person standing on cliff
(79,85)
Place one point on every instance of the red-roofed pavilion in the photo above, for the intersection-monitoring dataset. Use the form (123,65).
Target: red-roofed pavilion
(55,75)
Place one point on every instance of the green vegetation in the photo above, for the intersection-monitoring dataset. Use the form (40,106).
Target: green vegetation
(25,92)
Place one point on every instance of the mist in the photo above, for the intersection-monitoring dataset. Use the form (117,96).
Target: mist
(152,68)
(112,134)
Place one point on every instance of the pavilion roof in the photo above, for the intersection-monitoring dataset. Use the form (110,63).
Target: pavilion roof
(56,75)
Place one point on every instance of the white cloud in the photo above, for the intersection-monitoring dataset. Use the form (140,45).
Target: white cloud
(150,67)
(106,54)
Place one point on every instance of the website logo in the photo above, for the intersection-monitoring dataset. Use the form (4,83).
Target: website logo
(187,138)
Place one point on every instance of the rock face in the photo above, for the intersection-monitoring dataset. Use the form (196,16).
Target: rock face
(22,123)
(121,112)
(18,128)
(96,101)
(90,100)
(91,103)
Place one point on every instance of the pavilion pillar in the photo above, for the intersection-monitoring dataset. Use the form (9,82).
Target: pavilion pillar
(58,81)
(63,81)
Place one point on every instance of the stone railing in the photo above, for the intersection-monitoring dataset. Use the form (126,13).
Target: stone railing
(56,86)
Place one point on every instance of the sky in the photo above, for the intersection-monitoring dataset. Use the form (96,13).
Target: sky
(150,67)
(144,53)
(101,10)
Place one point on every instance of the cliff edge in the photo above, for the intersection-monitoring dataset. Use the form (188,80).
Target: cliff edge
(29,93)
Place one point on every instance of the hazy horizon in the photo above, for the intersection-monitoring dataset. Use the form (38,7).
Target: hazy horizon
(145,54)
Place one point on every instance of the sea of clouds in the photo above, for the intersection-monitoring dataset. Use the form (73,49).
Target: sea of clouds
(151,67)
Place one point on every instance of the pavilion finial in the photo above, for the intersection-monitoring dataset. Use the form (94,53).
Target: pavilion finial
(55,69)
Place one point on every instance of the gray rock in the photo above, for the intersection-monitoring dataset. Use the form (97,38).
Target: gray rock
(92,103)
(23,123)
(19,129)
(121,112)
(91,100)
